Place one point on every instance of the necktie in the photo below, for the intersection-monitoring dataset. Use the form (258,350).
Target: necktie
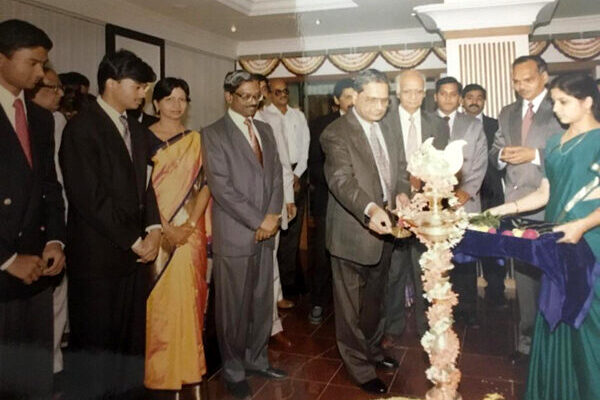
(254,141)
(126,134)
(526,125)
(412,144)
(447,119)
(22,129)
(381,160)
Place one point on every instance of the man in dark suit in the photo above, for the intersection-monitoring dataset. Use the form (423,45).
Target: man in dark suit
(31,217)
(113,228)
(524,127)
(244,175)
(492,192)
(142,117)
(412,125)
(320,276)
(365,175)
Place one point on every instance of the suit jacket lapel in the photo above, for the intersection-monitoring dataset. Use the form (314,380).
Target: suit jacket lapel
(359,139)
(138,154)
(33,124)
(391,143)
(516,121)
(239,141)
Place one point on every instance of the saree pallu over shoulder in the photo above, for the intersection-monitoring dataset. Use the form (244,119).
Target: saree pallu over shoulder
(177,300)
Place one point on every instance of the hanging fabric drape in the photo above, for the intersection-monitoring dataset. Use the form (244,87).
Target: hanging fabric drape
(260,66)
(408,58)
(303,65)
(353,62)
(578,49)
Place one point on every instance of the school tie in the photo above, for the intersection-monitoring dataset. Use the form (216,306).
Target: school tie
(22,130)
(254,141)
(381,160)
(447,119)
(126,134)
(526,125)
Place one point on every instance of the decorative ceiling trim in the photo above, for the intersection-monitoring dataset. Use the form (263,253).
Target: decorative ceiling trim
(271,7)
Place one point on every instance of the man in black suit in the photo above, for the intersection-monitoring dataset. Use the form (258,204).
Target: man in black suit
(31,217)
(320,278)
(492,193)
(104,157)
(413,125)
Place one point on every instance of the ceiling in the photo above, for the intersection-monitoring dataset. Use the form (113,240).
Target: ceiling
(369,15)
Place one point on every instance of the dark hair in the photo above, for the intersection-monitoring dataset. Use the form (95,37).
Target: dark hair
(342,85)
(579,85)
(539,61)
(368,76)
(234,79)
(74,79)
(471,87)
(448,80)
(122,65)
(16,34)
(165,87)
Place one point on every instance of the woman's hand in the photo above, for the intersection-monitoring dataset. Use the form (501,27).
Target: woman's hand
(178,235)
(573,231)
(503,209)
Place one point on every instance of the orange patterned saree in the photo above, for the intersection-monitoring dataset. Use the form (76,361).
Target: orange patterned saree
(177,300)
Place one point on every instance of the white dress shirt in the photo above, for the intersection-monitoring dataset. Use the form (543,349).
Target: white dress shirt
(536,106)
(405,125)
(276,124)
(296,131)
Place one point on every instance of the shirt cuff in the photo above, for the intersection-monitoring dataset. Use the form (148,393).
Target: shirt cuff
(153,227)
(536,160)
(62,245)
(7,263)
(501,164)
(136,244)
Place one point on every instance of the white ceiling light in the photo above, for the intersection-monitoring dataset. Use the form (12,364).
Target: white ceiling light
(233,28)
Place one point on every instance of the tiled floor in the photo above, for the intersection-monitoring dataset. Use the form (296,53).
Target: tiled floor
(317,373)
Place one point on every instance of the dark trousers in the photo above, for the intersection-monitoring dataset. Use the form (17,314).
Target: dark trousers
(359,313)
(320,273)
(108,320)
(287,254)
(26,333)
(527,278)
(243,311)
(494,274)
(464,283)
(404,269)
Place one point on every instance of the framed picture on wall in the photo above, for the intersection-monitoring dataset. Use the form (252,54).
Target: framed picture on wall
(149,48)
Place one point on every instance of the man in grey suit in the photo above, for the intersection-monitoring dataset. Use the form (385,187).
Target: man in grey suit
(524,127)
(364,174)
(463,126)
(244,174)
(411,125)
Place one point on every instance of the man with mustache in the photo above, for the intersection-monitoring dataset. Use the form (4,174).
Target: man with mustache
(245,179)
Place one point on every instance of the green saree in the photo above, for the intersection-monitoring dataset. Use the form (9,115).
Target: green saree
(565,363)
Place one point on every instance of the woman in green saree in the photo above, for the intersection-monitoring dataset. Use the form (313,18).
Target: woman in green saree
(177,300)
(565,362)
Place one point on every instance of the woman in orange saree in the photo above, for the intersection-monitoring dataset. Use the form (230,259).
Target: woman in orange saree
(177,300)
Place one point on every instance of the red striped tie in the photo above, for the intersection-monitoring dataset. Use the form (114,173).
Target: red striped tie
(22,129)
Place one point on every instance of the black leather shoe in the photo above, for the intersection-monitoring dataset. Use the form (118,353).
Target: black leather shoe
(387,363)
(239,390)
(375,386)
(270,373)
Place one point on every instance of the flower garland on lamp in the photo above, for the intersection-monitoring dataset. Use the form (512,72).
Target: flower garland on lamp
(440,230)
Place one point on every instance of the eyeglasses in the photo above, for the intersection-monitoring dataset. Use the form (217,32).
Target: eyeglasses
(246,97)
(54,88)
(279,92)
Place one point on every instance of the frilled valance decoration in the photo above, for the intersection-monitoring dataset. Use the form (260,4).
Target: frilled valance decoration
(302,65)
(580,49)
(349,62)
(353,62)
(577,49)
(260,66)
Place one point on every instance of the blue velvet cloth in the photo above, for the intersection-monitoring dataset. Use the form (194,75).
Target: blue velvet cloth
(570,270)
